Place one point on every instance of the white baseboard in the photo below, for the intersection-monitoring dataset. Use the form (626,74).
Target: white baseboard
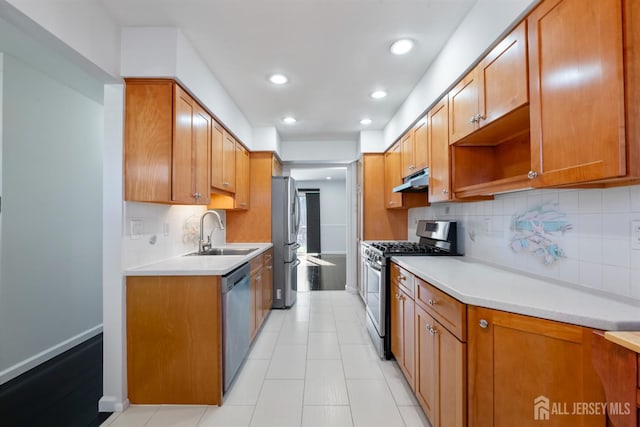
(112,404)
(30,363)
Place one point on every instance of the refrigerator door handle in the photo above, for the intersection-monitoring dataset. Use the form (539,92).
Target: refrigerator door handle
(297,209)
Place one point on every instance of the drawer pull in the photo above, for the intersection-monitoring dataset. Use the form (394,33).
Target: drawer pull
(432,330)
(432,302)
(397,296)
(401,277)
(484,324)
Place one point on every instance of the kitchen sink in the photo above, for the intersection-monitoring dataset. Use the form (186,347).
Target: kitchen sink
(225,251)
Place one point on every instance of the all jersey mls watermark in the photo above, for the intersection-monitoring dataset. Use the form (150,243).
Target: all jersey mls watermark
(544,409)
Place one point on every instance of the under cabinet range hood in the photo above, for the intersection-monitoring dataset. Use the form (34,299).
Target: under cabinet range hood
(416,183)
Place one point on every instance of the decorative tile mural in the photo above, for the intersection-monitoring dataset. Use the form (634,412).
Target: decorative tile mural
(536,230)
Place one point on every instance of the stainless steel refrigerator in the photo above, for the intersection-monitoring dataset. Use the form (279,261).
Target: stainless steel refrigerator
(285,221)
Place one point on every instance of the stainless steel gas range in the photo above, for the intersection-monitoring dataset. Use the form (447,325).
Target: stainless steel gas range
(437,238)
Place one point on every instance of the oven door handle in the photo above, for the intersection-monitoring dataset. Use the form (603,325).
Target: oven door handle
(374,265)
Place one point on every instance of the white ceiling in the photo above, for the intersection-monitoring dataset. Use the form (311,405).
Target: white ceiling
(335,53)
(319,174)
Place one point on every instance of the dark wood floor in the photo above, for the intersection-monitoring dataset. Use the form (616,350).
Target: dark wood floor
(322,272)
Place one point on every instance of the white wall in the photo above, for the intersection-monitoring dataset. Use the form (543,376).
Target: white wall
(372,141)
(333,214)
(597,246)
(168,231)
(51,277)
(85,26)
(166,52)
(482,26)
(321,151)
(266,139)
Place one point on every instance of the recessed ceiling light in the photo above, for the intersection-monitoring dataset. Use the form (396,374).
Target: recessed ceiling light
(378,94)
(365,122)
(289,120)
(328,177)
(401,47)
(278,79)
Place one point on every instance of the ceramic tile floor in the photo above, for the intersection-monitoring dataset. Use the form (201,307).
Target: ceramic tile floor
(312,366)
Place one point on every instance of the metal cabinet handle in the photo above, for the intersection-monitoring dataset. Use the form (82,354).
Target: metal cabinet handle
(473,119)
(392,203)
(269,267)
(445,191)
(484,324)
(243,204)
(196,195)
(432,330)
(226,184)
(532,175)
(432,302)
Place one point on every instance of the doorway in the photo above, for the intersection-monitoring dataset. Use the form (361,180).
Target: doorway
(323,229)
(309,235)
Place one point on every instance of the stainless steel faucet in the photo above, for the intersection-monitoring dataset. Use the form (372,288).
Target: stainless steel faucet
(203,246)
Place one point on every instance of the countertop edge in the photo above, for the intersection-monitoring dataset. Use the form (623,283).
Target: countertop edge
(547,314)
(148,270)
(627,339)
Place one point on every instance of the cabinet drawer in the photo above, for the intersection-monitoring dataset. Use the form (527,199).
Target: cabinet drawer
(450,312)
(256,263)
(404,279)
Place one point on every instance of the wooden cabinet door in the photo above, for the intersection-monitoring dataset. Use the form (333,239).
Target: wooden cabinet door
(421,145)
(182,172)
(408,339)
(577,91)
(406,154)
(502,76)
(452,371)
(253,304)
(392,176)
(201,147)
(258,298)
(439,170)
(397,345)
(427,375)
(217,156)
(267,279)
(242,177)
(229,163)
(515,359)
(463,107)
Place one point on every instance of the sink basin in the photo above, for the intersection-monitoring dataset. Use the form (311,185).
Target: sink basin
(225,251)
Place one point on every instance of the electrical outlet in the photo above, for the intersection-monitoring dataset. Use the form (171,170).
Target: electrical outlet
(165,229)
(487,225)
(635,235)
(136,228)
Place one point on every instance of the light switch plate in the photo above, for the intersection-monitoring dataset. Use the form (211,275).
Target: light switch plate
(136,228)
(635,235)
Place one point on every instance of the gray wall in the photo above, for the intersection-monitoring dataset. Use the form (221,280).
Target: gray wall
(51,235)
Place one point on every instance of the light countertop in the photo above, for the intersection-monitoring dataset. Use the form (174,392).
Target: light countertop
(483,285)
(630,340)
(205,265)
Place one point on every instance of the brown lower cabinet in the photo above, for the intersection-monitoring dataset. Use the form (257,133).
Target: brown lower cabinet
(519,363)
(261,288)
(174,334)
(174,340)
(488,368)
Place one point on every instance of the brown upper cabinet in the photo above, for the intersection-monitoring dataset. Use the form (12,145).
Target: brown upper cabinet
(242,177)
(414,149)
(393,176)
(438,130)
(577,91)
(167,140)
(496,88)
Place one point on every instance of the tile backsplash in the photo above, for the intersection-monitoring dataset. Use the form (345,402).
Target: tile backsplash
(153,232)
(578,236)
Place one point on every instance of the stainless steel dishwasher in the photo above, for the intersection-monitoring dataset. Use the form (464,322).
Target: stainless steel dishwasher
(235,321)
